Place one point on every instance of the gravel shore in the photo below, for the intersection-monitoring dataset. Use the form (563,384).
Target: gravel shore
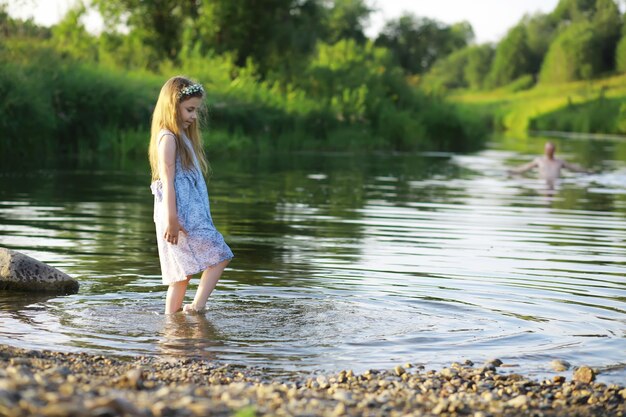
(44,383)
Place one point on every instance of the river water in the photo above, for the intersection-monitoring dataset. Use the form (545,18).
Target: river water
(342,261)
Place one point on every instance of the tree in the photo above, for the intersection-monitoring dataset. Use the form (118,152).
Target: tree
(417,42)
(465,68)
(270,32)
(448,72)
(346,19)
(479,59)
(573,10)
(10,27)
(70,35)
(607,23)
(512,58)
(586,45)
(159,23)
(574,55)
(126,51)
(620,52)
(541,30)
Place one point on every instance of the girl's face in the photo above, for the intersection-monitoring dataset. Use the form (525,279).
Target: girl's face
(188,110)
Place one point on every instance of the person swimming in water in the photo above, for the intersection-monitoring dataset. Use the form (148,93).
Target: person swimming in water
(548,166)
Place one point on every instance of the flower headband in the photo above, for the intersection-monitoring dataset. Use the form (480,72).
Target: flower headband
(189,91)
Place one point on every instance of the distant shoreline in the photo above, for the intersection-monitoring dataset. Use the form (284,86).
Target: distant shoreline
(576,135)
(51,383)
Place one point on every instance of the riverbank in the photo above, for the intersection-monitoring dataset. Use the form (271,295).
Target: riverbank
(50,383)
(595,106)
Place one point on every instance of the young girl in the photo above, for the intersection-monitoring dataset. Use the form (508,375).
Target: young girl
(187,239)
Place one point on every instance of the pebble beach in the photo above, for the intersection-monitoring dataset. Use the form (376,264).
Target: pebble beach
(47,383)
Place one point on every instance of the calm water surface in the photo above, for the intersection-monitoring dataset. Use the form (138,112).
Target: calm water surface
(341,262)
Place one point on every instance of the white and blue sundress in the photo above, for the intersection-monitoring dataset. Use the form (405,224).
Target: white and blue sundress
(203,246)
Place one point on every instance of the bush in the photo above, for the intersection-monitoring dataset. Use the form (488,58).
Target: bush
(55,103)
(449,72)
(620,55)
(513,58)
(479,60)
(574,55)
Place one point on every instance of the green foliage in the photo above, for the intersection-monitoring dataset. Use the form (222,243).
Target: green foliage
(125,51)
(541,30)
(522,83)
(291,92)
(588,42)
(26,118)
(465,68)
(578,40)
(350,96)
(15,28)
(574,55)
(70,35)
(158,23)
(246,412)
(448,72)
(273,33)
(346,19)
(55,103)
(607,22)
(418,42)
(597,116)
(512,58)
(620,55)
(573,10)
(479,59)
(513,111)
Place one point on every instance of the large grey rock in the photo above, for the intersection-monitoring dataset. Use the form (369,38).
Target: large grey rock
(23,273)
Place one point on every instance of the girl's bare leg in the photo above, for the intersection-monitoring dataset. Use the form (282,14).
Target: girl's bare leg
(208,281)
(175,296)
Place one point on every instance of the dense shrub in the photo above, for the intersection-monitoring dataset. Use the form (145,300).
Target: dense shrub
(57,103)
(479,60)
(574,55)
(512,59)
(465,68)
(620,55)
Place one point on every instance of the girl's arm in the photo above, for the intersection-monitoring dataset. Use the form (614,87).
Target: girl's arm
(167,170)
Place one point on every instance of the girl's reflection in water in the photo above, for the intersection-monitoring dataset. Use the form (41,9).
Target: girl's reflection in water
(189,336)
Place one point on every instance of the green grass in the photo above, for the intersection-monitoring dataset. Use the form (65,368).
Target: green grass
(246,412)
(515,111)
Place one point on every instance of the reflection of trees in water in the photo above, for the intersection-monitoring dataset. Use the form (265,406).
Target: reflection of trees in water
(94,221)
(285,212)
(278,212)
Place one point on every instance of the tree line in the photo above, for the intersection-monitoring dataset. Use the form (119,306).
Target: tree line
(280,74)
(578,40)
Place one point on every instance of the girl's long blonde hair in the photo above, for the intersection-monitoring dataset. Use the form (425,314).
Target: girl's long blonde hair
(166,116)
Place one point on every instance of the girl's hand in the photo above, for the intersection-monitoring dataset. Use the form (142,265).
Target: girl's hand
(172,230)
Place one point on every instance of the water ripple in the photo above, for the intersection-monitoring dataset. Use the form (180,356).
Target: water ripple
(427,259)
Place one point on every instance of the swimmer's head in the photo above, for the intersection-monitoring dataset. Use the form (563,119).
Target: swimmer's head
(549,149)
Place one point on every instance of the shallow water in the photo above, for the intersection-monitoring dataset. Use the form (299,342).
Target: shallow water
(341,262)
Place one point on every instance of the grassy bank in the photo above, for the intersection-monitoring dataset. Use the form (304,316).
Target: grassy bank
(597,106)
